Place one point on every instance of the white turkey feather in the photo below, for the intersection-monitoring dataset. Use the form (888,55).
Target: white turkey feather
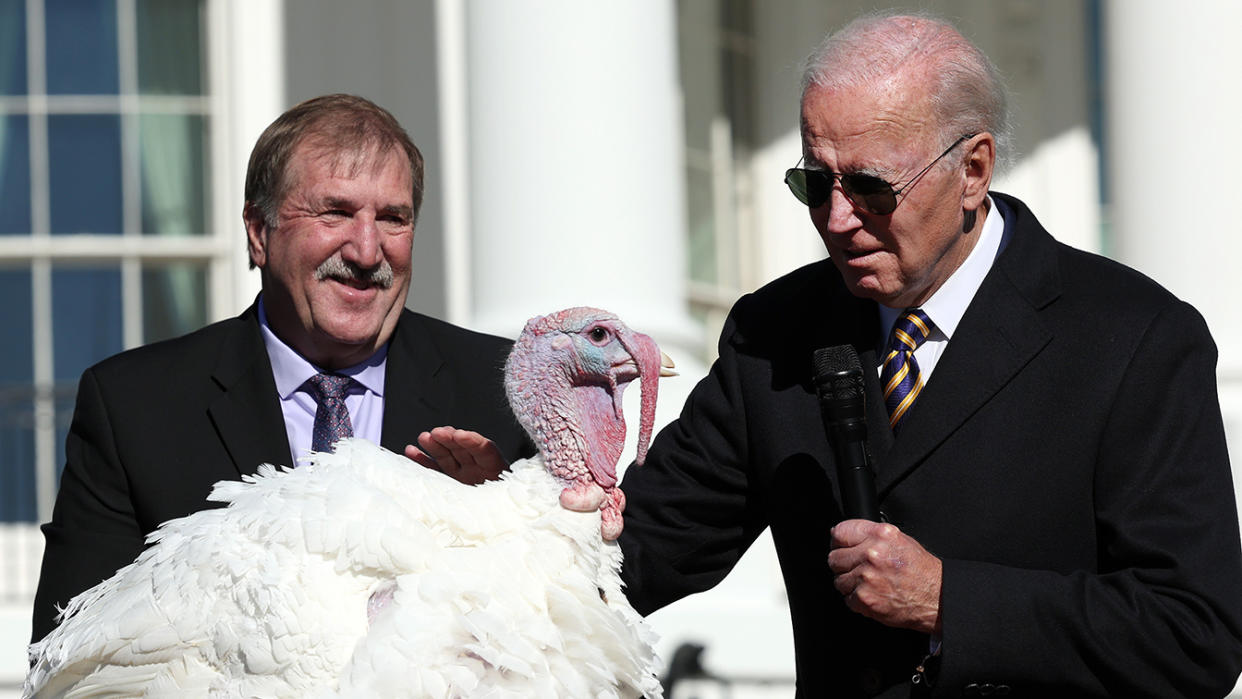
(492,590)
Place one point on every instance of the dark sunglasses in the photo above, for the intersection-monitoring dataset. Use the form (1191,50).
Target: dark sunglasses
(868,192)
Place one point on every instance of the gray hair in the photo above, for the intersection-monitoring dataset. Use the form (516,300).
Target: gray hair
(968,95)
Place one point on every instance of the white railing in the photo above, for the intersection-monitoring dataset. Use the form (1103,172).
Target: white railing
(21,551)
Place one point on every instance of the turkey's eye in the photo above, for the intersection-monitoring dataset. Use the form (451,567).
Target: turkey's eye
(598,334)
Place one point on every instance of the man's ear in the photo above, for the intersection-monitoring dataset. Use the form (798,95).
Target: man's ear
(256,234)
(980,161)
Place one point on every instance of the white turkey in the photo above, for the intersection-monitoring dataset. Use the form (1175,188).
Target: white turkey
(362,574)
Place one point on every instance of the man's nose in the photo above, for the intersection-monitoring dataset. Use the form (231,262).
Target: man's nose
(842,216)
(364,248)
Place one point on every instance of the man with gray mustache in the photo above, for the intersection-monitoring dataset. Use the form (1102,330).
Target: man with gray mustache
(328,349)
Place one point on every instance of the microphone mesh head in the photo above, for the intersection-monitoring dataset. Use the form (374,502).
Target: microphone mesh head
(838,373)
(831,360)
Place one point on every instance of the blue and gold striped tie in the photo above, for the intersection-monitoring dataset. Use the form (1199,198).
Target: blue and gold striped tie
(900,376)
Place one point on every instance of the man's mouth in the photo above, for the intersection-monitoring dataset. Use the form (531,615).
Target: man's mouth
(852,255)
(352,282)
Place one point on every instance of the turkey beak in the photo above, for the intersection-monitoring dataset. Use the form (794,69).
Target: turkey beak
(652,364)
(667,365)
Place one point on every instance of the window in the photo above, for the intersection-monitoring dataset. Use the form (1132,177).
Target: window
(717,46)
(105,239)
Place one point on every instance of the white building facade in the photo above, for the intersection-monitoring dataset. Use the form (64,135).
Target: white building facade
(624,155)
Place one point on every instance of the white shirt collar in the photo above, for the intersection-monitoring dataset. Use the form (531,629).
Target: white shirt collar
(948,304)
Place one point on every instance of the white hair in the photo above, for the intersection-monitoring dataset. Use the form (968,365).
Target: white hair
(967,96)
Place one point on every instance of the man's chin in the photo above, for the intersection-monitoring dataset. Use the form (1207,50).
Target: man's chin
(351,343)
(868,288)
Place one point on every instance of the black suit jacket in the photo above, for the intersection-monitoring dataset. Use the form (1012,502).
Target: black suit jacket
(156,426)
(1066,461)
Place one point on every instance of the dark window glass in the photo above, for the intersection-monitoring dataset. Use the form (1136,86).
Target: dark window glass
(173,190)
(174,300)
(17,459)
(86,317)
(14,174)
(16,359)
(81,47)
(86,327)
(12,47)
(169,47)
(85,151)
(17,455)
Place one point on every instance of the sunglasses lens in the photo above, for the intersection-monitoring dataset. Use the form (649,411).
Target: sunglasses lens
(796,179)
(810,186)
(871,193)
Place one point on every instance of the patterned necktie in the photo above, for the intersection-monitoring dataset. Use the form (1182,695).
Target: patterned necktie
(900,377)
(331,416)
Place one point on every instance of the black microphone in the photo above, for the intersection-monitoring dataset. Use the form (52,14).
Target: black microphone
(839,385)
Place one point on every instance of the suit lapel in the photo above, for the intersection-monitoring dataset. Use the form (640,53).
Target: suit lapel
(247,413)
(1000,333)
(414,386)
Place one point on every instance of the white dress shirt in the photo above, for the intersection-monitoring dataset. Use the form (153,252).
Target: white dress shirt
(946,307)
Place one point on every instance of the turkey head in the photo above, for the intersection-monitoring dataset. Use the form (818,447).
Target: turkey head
(565,378)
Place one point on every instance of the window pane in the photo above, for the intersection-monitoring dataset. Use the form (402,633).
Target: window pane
(81,47)
(17,459)
(17,481)
(85,166)
(700,212)
(169,47)
(86,327)
(16,356)
(86,317)
(12,47)
(14,174)
(173,190)
(174,300)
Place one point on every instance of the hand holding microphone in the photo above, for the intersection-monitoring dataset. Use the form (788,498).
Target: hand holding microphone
(882,573)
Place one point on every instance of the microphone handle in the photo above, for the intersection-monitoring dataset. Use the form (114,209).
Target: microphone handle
(855,476)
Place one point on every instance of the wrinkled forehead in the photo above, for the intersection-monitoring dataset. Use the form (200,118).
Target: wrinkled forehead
(898,112)
(320,153)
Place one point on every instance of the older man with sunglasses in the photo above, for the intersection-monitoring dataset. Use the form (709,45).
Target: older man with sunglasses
(1049,455)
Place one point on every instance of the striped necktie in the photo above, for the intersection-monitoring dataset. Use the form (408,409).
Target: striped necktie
(331,416)
(900,376)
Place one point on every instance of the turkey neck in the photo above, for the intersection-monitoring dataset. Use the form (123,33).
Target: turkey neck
(573,425)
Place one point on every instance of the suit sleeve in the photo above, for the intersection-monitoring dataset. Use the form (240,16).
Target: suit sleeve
(1162,615)
(94,530)
(688,516)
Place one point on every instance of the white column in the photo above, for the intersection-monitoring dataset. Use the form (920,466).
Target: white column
(575,163)
(1172,98)
(247,84)
(1173,152)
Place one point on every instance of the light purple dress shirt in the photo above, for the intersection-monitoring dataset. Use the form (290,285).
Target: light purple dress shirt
(291,370)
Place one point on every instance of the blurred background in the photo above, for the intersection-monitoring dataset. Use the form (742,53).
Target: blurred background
(627,155)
